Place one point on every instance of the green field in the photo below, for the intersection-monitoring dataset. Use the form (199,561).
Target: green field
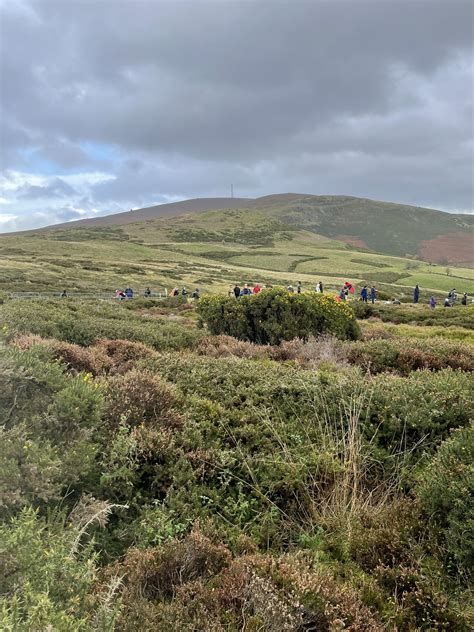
(211,250)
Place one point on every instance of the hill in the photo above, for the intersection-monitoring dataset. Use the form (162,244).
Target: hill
(211,250)
(395,229)
(385,227)
(153,212)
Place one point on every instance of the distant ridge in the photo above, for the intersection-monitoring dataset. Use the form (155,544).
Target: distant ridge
(170,209)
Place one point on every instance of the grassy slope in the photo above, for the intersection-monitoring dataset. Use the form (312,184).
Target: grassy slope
(210,250)
(385,227)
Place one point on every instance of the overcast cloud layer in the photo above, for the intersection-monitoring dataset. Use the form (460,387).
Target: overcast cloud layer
(108,105)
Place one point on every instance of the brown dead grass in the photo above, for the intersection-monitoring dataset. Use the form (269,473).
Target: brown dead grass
(454,248)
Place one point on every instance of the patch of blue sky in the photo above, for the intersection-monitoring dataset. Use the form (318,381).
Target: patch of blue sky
(35,163)
(101,151)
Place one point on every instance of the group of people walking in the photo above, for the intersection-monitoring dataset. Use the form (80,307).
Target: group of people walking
(196,294)
(246,290)
(128,293)
(237,291)
(449,301)
(123,294)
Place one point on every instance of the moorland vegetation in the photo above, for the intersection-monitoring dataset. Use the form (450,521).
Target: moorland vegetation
(156,473)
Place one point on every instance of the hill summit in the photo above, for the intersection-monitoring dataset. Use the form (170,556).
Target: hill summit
(385,227)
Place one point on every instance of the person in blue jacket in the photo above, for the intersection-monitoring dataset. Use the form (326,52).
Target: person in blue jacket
(129,292)
(373,294)
(364,294)
(416,294)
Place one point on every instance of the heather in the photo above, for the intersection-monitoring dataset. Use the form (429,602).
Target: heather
(161,476)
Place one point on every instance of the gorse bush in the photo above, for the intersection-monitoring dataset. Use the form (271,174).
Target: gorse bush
(405,355)
(49,428)
(50,574)
(275,315)
(446,491)
(86,323)
(457,316)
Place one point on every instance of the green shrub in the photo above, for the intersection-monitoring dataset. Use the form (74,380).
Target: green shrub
(49,576)
(275,315)
(446,491)
(405,355)
(139,397)
(49,429)
(459,316)
(411,415)
(195,584)
(87,322)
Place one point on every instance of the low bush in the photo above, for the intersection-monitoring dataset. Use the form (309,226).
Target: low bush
(325,349)
(49,430)
(275,315)
(375,329)
(139,397)
(446,491)
(122,354)
(457,316)
(106,356)
(196,584)
(405,355)
(49,578)
(412,415)
(416,411)
(86,323)
(223,346)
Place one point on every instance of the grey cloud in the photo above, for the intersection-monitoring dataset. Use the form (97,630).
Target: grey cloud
(195,95)
(63,153)
(67,214)
(57,188)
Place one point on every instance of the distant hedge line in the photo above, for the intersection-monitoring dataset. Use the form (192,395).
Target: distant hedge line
(276,315)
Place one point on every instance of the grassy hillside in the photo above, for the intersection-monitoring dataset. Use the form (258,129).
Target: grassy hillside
(396,229)
(210,250)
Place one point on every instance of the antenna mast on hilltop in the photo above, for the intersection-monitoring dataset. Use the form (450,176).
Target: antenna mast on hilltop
(231,190)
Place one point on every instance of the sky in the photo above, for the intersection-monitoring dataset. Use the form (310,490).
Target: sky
(108,105)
